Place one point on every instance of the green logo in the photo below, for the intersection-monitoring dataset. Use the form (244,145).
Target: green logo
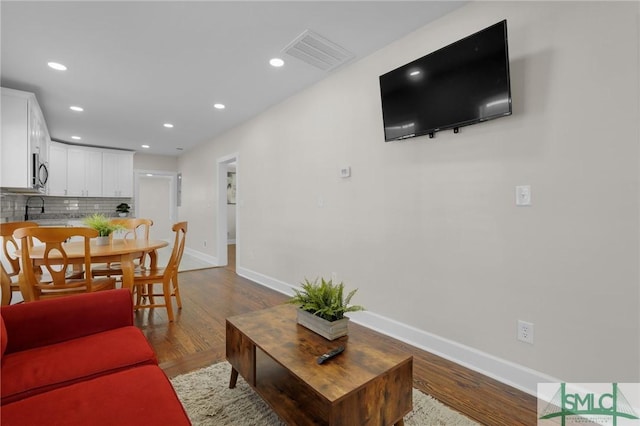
(584,407)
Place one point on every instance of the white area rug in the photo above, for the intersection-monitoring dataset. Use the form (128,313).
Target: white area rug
(208,400)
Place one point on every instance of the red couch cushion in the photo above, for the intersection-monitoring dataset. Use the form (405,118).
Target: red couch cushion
(50,321)
(138,396)
(41,369)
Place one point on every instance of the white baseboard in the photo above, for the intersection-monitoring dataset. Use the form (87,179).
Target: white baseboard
(201,256)
(507,372)
(272,283)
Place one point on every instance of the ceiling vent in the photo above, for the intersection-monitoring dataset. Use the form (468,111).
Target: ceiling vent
(318,51)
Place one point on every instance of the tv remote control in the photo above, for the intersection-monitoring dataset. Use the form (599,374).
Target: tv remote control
(324,357)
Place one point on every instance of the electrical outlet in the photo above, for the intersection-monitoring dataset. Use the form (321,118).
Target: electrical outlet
(525,332)
(523,195)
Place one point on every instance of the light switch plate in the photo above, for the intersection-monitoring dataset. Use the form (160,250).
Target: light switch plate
(523,195)
(345,171)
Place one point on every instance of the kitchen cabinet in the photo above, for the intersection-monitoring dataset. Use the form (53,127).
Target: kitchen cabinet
(117,174)
(57,169)
(84,171)
(81,171)
(24,133)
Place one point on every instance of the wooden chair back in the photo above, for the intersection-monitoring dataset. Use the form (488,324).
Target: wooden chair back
(10,246)
(11,254)
(173,264)
(135,227)
(57,263)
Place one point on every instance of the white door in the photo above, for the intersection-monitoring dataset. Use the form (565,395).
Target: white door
(154,202)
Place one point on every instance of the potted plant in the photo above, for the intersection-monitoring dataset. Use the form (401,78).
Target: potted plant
(103,225)
(322,306)
(123,209)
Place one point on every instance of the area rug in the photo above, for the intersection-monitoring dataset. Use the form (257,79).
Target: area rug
(208,400)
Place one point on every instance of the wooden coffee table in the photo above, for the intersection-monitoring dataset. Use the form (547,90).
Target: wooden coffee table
(366,384)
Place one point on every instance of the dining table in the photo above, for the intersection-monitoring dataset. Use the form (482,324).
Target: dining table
(118,250)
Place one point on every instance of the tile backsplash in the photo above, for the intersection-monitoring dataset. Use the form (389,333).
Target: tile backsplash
(12,207)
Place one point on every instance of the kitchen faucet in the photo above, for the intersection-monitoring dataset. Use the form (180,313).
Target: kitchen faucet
(27,207)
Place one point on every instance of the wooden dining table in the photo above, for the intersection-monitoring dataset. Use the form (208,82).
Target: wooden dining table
(118,250)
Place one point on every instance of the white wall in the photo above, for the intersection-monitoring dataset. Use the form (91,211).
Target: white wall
(428,229)
(155,162)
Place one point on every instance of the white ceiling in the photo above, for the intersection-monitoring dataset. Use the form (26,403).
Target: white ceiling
(133,66)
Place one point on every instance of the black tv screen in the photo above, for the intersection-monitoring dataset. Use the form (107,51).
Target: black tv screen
(463,83)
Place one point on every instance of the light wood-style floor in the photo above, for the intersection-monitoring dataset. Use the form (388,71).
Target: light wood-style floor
(197,339)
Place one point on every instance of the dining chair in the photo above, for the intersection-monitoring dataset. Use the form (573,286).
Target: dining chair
(57,263)
(10,248)
(145,279)
(134,228)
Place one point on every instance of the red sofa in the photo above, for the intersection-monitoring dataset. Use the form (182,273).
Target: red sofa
(79,360)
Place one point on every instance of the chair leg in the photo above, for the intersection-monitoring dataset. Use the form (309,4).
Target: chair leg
(176,291)
(166,289)
(139,290)
(6,288)
(149,294)
(135,290)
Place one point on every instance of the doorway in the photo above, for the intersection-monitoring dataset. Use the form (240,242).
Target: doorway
(155,199)
(228,201)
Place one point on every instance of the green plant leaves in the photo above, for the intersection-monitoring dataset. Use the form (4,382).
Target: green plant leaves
(102,224)
(324,299)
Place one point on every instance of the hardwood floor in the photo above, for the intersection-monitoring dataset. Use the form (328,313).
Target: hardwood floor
(197,339)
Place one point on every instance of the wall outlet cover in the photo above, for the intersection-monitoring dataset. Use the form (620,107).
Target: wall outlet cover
(525,332)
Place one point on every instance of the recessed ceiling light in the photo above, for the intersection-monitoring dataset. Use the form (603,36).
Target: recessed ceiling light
(76,137)
(219,106)
(145,146)
(57,66)
(150,174)
(414,73)
(76,108)
(168,125)
(276,62)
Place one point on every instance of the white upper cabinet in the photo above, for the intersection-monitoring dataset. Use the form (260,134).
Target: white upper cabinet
(84,171)
(57,169)
(117,174)
(79,171)
(24,133)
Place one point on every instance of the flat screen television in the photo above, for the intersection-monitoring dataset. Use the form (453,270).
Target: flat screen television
(464,83)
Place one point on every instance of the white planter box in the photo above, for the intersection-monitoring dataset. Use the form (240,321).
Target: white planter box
(103,241)
(330,330)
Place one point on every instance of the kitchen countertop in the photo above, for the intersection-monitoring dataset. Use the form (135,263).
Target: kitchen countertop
(58,222)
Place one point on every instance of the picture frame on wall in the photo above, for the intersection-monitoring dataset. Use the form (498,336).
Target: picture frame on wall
(231,187)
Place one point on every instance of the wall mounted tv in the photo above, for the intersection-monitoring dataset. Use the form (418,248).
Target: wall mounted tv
(461,84)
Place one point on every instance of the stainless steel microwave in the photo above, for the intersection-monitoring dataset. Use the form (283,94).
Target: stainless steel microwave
(39,174)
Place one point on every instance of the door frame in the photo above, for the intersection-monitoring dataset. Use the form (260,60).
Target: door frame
(222,228)
(173,188)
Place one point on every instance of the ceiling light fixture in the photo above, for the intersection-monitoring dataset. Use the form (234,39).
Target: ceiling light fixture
(145,146)
(168,125)
(76,137)
(76,108)
(219,106)
(57,66)
(276,62)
